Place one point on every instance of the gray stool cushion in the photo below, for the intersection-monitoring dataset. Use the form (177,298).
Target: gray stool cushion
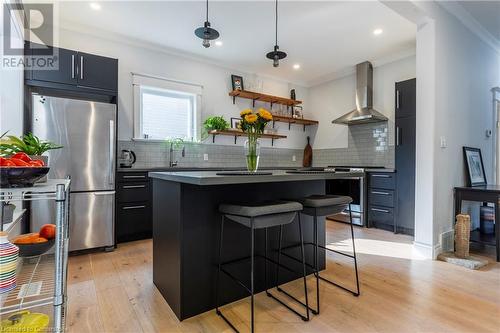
(322,205)
(264,215)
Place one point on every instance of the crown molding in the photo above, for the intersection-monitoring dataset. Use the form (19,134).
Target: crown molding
(471,23)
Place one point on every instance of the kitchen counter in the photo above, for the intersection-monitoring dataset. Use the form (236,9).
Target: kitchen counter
(186,228)
(178,169)
(389,170)
(212,178)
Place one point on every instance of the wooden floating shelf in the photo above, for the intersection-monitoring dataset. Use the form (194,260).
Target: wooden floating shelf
(255,96)
(291,120)
(237,134)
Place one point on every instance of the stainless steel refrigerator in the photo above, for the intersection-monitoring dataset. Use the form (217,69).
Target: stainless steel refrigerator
(86,129)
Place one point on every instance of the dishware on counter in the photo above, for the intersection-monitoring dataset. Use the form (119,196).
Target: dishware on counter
(127,158)
(25,321)
(21,176)
(8,263)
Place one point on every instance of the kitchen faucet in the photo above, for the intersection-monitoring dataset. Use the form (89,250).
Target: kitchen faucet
(171,162)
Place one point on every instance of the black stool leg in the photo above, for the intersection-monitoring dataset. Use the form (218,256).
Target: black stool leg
(265,260)
(279,257)
(354,253)
(303,266)
(316,261)
(252,276)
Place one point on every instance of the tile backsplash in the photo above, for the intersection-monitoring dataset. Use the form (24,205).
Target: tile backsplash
(367,146)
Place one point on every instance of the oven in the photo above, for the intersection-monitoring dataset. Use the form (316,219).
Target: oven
(354,187)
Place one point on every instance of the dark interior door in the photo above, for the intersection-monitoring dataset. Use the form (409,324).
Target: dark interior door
(97,72)
(65,67)
(405,155)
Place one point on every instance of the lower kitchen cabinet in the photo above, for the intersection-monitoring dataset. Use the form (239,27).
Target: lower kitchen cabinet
(133,208)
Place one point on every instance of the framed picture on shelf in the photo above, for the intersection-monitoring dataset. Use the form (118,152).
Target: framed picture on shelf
(235,124)
(474,166)
(237,82)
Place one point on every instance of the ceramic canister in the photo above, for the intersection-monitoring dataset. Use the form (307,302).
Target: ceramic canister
(8,264)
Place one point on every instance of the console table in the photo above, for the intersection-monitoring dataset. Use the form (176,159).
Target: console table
(487,193)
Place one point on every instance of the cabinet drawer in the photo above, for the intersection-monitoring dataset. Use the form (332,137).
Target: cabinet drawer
(133,222)
(381,197)
(383,180)
(381,215)
(123,177)
(132,192)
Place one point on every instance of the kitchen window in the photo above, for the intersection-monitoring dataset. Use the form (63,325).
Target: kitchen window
(166,109)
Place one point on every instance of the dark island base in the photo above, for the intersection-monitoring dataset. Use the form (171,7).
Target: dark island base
(186,227)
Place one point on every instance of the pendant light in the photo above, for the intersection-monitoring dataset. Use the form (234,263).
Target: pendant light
(206,33)
(276,55)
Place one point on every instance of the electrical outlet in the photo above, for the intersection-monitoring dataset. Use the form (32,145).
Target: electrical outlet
(294,158)
(205,157)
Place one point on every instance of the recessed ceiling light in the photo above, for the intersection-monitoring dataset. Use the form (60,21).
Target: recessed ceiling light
(218,43)
(296,66)
(378,31)
(95,6)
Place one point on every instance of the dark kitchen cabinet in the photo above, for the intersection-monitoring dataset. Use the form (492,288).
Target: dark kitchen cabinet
(405,151)
(381,196)
(74,70)
(133,208)
(97,72)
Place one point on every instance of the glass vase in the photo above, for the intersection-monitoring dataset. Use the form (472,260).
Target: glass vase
(252,153)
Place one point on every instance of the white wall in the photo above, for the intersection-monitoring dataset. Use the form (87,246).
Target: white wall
(215,80)
(12,88)
(335,98)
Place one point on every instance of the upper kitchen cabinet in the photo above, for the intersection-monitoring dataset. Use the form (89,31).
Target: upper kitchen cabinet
(406,98)
(97,72)
(76,70)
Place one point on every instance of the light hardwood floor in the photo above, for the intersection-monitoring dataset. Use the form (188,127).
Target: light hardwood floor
(400,292)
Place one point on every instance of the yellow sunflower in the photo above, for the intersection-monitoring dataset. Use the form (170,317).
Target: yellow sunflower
(251,118)
(245,112)
(266,115)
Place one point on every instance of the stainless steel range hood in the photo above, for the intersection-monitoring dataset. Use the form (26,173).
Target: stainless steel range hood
(364,112)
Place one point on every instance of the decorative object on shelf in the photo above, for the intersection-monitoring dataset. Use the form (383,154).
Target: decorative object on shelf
(25,321)
(474,166)
(276,55)
(236,124)
(308,155)
(297,112)
(206,32)
(215,123)
(6,213)
(8,260)
(237,82)
(292,94)
(253,125)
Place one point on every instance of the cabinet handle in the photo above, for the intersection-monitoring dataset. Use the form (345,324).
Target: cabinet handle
(81,67)
(104,193)
(133,207)
(398,136)
(397,99)
(134,186)
(133,177)
(381,193)
(72,66)
(381,176)
(380,210)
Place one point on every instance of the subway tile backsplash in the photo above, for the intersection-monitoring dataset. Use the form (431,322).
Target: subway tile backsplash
(367,146)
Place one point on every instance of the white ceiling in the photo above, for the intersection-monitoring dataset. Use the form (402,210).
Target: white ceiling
(323,37)
(486,13)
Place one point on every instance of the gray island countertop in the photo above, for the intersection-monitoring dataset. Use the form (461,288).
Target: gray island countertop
(211,177)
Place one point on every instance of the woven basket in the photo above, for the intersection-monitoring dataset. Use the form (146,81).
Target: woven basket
(462,235)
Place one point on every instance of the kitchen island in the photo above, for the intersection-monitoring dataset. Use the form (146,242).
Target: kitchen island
(186,226)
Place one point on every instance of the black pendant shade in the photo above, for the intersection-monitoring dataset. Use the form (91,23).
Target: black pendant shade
(206,32)
(276,55)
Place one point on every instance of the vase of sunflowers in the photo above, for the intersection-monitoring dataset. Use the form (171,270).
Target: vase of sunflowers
(253,125)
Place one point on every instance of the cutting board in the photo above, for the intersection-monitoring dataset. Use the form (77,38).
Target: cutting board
(308,155)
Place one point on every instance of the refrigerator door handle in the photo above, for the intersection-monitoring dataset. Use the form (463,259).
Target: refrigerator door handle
(104,193)
(398,136)
(397,99)
(111,151)
(72,66)
(81,67)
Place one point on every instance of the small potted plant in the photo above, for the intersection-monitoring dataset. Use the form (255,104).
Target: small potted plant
(216,123)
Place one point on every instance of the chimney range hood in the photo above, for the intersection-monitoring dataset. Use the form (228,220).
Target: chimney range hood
(364,112)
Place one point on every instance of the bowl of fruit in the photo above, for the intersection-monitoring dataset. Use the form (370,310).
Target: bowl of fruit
(19,170)
(36,243)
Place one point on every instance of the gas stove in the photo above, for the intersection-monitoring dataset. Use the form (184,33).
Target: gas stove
(342,169)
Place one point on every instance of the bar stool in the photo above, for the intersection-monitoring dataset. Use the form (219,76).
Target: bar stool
(323,205)
(254,217)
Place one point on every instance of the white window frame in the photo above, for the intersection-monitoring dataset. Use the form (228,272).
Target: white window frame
(150,82)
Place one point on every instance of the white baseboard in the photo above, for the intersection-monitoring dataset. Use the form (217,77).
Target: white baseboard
(427,251)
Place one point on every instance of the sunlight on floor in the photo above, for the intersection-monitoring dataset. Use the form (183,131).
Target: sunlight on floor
(378,248)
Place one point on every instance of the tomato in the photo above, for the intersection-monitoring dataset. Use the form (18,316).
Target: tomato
(36,163)
(5,162)
(48,231)
(22,156)
(19,162)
